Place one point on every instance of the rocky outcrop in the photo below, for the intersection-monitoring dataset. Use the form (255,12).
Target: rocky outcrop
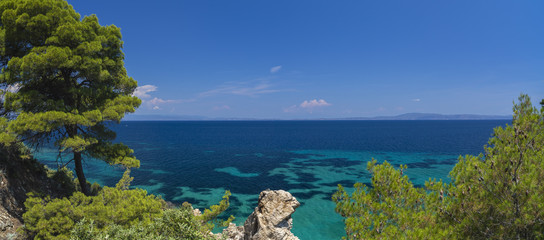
(10,209)
(19,176)
(270,220)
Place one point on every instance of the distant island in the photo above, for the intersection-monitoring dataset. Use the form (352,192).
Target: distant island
(406,116)
(434,116)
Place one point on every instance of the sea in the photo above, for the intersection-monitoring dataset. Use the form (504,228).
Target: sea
(197,161)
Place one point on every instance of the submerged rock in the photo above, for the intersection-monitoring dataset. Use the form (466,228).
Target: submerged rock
(270,220)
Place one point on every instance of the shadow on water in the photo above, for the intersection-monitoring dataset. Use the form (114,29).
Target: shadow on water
(432,163)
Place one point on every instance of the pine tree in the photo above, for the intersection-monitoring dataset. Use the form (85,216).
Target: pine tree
(67,81)
(496,195)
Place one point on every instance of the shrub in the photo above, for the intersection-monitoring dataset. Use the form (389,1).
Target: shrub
(496,195)
(48,218)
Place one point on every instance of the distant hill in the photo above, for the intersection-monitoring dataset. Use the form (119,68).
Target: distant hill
(133,117)
(407,116)
(434,116)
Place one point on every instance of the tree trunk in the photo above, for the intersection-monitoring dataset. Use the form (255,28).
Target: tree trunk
(80,174)
(72,131)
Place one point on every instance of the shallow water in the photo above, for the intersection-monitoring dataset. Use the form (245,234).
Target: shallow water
(198,161)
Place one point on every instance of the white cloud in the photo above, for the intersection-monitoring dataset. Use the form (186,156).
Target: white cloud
(308,105)
(157,101)
(416,100)
(13,88)
(141,91)
(224,107)
(275,69)
(252,89)
(290,109)
(10,88)
(314,103)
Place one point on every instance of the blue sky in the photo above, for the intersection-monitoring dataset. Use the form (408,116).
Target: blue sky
(314,59)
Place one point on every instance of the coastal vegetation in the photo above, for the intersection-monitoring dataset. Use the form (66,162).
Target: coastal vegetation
(117,213)
(65,83)
(66,80)
(496,195)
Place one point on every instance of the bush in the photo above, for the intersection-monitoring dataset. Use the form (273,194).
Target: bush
(498,195)
(180,223)
(174,224)
(116,213)
(48,218)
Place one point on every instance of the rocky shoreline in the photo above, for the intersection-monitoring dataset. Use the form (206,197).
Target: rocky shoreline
(270,220)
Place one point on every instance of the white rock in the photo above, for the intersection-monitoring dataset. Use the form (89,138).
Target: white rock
(271,219)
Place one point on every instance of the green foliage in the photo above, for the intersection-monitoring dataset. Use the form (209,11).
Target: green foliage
(393,208)
(47,218)
(180,223)
(174,224)
(70,79)
(69,184)
(499,195)
(116,213)
(6,137)
(209,217)
(125,181)
(64,177)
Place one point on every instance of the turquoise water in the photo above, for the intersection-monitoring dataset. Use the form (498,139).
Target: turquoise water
(198,161)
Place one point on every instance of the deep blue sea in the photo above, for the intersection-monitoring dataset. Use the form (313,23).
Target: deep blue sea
(196,161)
